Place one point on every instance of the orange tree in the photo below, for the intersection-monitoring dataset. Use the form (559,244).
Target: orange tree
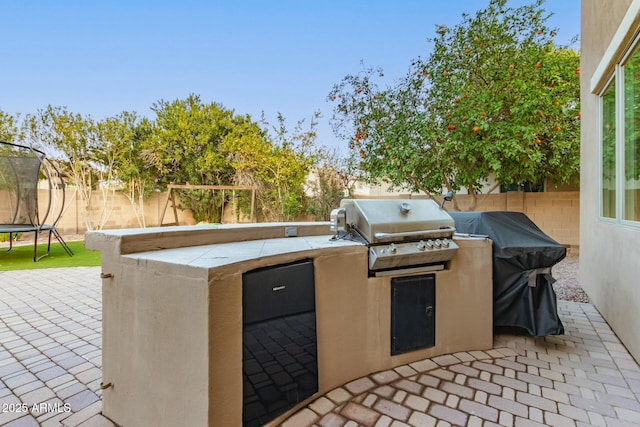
(495,98)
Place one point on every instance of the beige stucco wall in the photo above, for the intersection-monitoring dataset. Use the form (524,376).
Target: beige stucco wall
(557,213)
(172,329)
(609,253)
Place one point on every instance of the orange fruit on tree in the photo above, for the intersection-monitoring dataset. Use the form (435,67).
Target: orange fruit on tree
(451,127)
(476,129)
(538,65)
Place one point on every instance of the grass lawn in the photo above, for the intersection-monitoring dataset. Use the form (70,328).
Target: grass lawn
(21,257)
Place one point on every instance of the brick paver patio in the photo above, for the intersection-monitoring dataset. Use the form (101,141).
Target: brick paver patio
(583,378)
(50,370)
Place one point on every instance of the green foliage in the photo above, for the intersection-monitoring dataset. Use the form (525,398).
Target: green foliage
(186,148)
(495,97)
(4,237)
(72,140)
(120,164)
(188,142)
(632,117)
(609,136)
(332,183)
(8,129)
(277,166)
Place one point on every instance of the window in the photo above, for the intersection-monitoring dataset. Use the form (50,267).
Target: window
(620,143)
(608,150)
(631,208)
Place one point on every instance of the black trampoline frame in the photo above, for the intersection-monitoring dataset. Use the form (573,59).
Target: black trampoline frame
(14,158)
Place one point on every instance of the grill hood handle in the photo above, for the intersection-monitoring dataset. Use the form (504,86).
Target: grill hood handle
(380,235)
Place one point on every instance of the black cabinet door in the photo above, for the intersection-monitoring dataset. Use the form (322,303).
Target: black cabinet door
(278,291)
(413,313)
(279,359)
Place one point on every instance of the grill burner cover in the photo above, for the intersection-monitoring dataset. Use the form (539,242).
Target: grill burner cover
(399,233)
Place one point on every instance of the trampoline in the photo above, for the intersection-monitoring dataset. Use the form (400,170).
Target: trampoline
(22,209)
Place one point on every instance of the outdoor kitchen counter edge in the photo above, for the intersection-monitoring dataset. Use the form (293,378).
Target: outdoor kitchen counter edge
(216,255)
(137,240)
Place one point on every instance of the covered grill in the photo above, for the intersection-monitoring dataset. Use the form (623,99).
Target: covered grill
(404,236)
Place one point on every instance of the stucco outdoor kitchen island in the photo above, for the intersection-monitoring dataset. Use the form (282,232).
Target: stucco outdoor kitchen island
(173,314)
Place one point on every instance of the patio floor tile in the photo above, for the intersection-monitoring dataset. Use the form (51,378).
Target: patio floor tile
(51,353)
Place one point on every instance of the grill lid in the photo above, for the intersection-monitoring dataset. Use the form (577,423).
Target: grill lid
(394,220)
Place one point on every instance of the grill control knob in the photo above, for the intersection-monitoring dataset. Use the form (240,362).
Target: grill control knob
(446,243)
(429,244)
(392,248)
(422,245)
(437,243)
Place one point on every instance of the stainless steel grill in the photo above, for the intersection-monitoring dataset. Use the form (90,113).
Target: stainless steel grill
(410,235)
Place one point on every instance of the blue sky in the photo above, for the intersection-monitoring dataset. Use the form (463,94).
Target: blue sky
(99,58)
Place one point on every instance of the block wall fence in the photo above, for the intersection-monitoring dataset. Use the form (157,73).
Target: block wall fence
(556,213)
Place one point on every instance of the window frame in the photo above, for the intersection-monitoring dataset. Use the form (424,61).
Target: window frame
(613,80)
(618,78)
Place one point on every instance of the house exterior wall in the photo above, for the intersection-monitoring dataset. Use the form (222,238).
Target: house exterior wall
(609,252)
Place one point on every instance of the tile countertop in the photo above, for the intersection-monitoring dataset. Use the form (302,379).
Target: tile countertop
(220,254)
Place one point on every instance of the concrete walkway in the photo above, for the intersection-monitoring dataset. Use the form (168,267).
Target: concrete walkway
(50,370)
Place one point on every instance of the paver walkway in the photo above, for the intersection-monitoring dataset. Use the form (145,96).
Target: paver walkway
(585,377)
(50,347)
(50,357)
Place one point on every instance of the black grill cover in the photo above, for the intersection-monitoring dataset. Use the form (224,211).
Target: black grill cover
(523,255)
